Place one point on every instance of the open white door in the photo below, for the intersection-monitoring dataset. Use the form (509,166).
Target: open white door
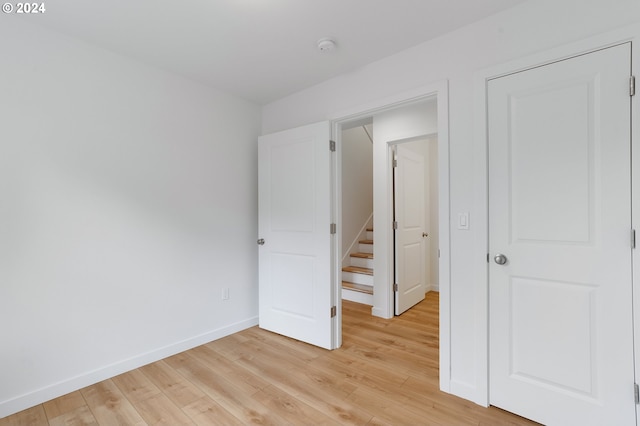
(295,285)
(409,193)
(561,337)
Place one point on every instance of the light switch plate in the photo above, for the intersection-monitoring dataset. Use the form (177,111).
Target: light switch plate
(463,221)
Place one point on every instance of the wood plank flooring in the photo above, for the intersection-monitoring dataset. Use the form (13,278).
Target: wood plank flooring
(385,373)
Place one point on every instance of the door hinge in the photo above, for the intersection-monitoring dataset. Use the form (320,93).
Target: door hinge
(632,85)
(333,311)
(487,257)
(395,162)
(332,228)
(636,393)
(633,238)
(332,146)
(395,287)
(395,224)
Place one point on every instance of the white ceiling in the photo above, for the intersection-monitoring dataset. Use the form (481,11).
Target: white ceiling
(260,50)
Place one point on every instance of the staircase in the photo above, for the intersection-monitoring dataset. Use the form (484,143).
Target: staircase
(357,278)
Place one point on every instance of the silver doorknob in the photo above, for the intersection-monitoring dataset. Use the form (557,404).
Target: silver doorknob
(500,259)
(261,242)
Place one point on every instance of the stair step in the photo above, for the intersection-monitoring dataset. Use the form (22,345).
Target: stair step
(365,248)
(369,234)
(358,278)
(358,270)
(362,255)
(357,287)
(366,241)
(363,260)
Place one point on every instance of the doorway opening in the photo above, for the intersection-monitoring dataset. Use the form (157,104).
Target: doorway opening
(368,258)
(420,114)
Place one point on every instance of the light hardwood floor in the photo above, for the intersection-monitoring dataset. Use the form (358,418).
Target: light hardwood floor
(385,373)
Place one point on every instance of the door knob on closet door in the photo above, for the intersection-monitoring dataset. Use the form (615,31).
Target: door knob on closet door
(424,234)
(261,242)
(500,259)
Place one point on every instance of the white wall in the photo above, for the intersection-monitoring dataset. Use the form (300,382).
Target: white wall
(357,184)
(532,27)
(128,200)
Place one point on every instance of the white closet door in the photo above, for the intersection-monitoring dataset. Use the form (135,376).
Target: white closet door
(561,348)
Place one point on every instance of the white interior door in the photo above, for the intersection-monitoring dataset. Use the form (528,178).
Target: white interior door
(295,284)
(409,187)
(561,349)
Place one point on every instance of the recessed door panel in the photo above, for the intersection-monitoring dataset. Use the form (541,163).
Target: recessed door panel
(548,352)
(292,199)
(552,166)
(292,281)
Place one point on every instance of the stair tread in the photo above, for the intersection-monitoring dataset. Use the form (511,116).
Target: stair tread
(370,229)
(357,287)
(362,255)
(366,241)
(358,270)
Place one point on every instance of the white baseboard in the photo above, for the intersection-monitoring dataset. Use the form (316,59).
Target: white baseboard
(379,312)
(64,387)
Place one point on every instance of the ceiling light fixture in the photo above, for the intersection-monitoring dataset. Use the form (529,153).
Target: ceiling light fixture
(326,44)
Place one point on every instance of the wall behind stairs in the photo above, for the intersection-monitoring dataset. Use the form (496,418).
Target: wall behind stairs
(128,200)
(357,184)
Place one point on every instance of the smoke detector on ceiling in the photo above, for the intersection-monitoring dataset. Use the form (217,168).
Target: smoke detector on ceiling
(326,44)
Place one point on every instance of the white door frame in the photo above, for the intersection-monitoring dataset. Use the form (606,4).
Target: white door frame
(383,263)
(480,392)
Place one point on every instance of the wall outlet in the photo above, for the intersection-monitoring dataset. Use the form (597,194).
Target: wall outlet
(225,293)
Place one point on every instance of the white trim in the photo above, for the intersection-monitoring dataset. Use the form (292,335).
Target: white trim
(389,102)
(54,390)
(635,206)
(389,232)
(440,90)
(444,236)
(480,152)
(336,262)
(336,240)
